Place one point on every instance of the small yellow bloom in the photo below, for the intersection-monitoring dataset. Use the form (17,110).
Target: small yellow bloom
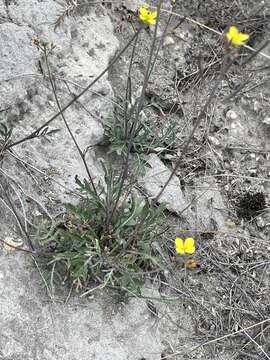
(235,37)
(186,246)
(146,16)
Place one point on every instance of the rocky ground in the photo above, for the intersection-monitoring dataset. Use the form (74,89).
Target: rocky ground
(220,194)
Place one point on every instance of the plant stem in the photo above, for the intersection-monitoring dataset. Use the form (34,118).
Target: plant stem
(22,228)
(137,115)
(160,44)
(129,88)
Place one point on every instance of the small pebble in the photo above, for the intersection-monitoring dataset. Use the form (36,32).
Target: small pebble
(260,222)
(252,171)
(266,121)
(214,140)
(231,115)
(168,41)
(36,213)
(230,224)
(256,106)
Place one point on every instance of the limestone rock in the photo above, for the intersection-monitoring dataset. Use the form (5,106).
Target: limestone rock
(84,45)
(210,209)
(33,327)
(155,177)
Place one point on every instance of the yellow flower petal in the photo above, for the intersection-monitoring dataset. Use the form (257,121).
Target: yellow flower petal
(189,246)
(232,33)
(146,16)
(179,246)
(235,37)
(154,14)
(151,21)
(143,12)
(242,38)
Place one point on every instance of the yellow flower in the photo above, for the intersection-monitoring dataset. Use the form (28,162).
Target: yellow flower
(146,16)
(235,37)
(186,246)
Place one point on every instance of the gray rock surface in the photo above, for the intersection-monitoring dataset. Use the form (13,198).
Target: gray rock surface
(35,328)
(211,211)
(83,46)
(153,181)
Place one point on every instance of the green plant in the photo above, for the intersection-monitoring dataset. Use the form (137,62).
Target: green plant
(147,138)
(107,238)
(90,245)
(5,132)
